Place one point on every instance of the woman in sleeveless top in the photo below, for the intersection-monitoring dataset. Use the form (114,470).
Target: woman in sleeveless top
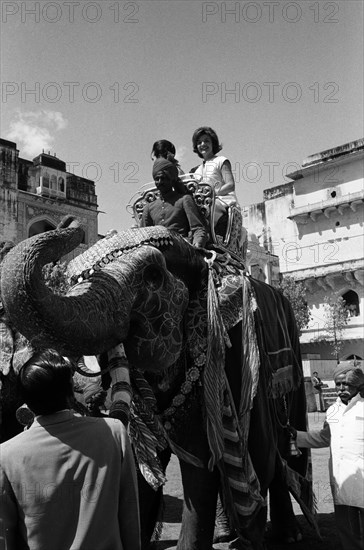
(216,170)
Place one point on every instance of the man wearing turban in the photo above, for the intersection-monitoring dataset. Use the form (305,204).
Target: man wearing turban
(343,431)
(172,209)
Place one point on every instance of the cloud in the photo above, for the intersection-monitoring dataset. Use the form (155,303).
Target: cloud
(181,153)
(34,131)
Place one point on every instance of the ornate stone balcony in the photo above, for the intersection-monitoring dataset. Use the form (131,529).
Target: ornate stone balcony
(331,277)
(303,214)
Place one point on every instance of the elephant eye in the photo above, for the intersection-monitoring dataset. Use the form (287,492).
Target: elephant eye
(153,277)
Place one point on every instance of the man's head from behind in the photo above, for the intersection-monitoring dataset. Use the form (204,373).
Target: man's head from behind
(45,382)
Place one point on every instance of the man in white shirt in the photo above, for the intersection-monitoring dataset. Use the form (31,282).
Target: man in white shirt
(343,431)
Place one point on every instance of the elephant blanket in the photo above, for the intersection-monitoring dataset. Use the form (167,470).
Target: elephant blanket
(231,299)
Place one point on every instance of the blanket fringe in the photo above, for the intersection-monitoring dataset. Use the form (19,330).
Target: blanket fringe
(214,373)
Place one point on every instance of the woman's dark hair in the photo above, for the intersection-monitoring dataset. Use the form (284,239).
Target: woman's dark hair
(162,147)
(45,382)
(216,146)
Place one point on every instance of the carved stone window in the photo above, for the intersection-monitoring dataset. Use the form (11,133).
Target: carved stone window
(45,179)
(352,303)
(54,182)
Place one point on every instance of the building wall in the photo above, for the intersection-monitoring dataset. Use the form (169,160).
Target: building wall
(314,225)
(29,204)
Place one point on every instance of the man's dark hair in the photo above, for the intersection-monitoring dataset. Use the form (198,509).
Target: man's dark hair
(45,382)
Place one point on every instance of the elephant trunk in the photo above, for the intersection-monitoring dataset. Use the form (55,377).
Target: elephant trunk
(87,321)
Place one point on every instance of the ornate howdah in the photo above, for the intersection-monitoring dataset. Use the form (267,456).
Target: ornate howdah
(205,199)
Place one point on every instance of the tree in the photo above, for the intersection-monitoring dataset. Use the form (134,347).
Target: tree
(336,319)
(295,291)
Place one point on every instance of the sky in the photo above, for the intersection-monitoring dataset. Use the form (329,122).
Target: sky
(96,83)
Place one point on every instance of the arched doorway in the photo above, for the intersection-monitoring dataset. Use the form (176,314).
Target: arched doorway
(40,226)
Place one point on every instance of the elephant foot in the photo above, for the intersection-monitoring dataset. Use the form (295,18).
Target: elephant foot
(222,534)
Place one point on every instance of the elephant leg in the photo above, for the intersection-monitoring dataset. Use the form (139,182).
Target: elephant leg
(200,488)
(150,503)
(285,527)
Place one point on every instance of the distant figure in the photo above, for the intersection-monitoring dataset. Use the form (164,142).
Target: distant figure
(343,431)
(68,482)
(173,210)
(318,385)
(216,170)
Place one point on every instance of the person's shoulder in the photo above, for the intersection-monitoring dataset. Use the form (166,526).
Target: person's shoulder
(20,441)
(220,159)
(103,421)
(105,427)
(333,409)
(358,400)
(114,424)
(153,204)
(188,200)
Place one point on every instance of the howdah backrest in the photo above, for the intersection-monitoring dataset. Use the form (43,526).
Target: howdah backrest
(205,197)
(203,194)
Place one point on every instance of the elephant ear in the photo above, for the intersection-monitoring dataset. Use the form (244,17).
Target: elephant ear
(15,349)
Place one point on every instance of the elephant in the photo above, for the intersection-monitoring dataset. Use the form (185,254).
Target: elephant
(214,364)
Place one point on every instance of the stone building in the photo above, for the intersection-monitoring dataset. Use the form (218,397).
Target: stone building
(314,224)
(35,195)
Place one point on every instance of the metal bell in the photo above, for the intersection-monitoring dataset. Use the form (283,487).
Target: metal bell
(293,450)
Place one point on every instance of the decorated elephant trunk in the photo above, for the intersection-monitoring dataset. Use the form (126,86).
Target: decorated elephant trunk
(50,320)
(132,287)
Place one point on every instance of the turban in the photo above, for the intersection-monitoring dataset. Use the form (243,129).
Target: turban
(356,378)
(167,166)
(342,369)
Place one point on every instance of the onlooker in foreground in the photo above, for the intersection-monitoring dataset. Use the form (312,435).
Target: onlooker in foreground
(173,210)
(343,431)
(69,482)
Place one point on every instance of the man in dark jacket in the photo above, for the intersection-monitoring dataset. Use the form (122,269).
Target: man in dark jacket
(69,482)
(173,210)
